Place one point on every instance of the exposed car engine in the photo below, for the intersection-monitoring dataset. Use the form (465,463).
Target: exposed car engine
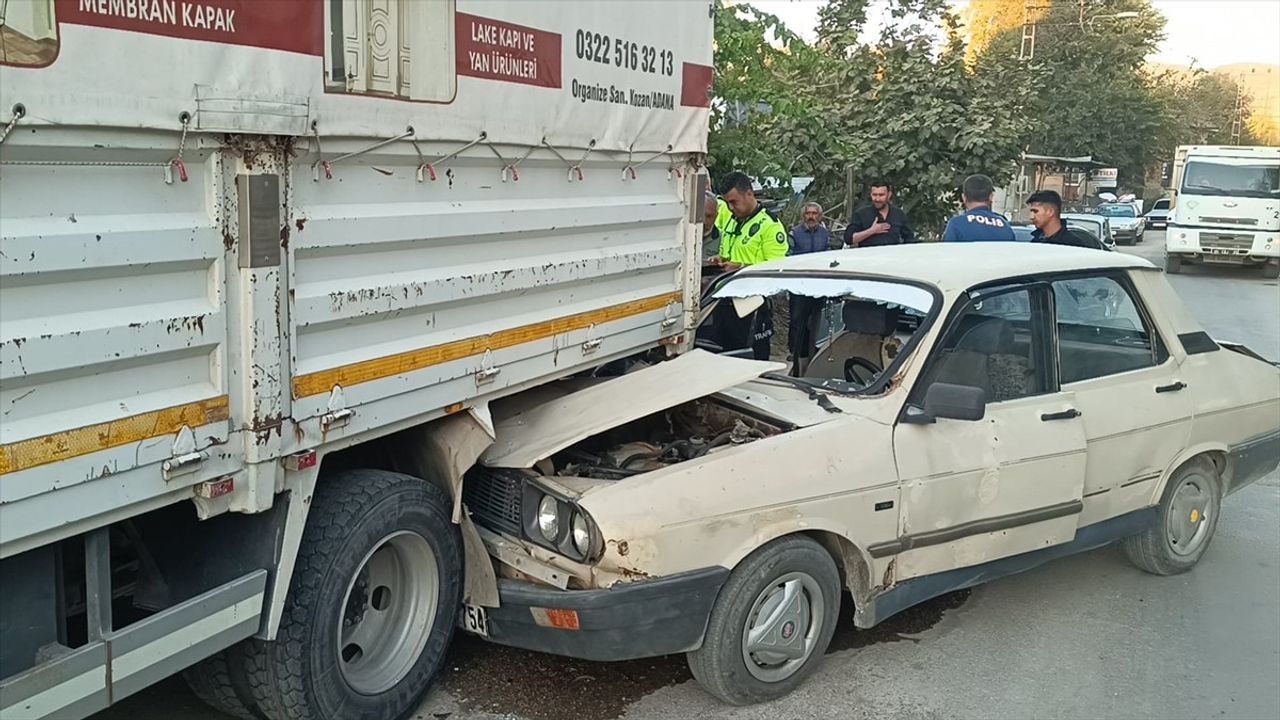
(676,435)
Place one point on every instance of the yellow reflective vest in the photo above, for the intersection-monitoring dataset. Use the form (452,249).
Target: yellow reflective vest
(757,239)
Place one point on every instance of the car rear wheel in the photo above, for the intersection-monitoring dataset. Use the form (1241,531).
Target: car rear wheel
(771,623)
(1173,265)
(372,603)
(1188,517)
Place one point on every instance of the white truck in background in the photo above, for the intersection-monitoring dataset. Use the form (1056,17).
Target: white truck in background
(1226,208)
(262,267)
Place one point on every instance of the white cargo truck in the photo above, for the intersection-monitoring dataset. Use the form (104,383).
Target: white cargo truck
(263,266)
(1226,208)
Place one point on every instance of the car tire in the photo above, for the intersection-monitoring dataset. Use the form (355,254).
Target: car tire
(793,572)
(1173,264)
(1188,517)
(221,683)
(372,603)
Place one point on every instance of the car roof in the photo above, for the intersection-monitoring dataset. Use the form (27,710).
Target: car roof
(954,266)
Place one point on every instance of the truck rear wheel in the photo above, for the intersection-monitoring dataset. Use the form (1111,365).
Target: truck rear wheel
(1271,269)
(1173,264)
(220,682)
(371,606)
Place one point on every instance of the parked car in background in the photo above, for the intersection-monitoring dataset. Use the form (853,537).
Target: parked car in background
(1009,408)
(1126,222)
(1097,227)
(1158,215)
(1023,232)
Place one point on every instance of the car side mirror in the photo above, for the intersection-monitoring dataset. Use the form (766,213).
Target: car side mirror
(945,400)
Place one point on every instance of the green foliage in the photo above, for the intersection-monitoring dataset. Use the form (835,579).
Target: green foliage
(898,108)
(1095,96)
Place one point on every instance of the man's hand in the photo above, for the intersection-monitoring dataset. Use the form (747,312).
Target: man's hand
(879,227)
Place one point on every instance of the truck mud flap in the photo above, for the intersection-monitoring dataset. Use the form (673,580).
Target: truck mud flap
(90,678)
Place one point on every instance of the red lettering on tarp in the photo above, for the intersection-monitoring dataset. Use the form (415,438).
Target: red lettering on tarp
(695,85)
(497,50)
(289,25)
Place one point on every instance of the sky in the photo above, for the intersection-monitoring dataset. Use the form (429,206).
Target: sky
(1213,32)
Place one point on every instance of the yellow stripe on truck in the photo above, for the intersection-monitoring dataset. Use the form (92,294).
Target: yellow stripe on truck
(323,381)
(33,452)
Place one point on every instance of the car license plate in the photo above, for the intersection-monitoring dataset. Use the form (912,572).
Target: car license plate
(475,620)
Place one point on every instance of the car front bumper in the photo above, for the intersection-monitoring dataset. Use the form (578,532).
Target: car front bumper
(645,618)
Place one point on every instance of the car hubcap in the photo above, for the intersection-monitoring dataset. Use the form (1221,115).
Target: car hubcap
(783,626)
(1187,525)
(388,613)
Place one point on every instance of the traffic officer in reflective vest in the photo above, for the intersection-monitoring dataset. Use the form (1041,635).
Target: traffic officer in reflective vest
(752,235)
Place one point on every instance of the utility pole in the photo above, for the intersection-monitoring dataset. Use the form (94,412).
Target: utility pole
(1028,49)
(1237,117)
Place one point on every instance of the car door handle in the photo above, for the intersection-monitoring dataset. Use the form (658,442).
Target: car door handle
(1172,387)
(1064,415)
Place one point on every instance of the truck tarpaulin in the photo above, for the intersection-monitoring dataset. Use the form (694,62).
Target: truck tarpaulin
(571,72)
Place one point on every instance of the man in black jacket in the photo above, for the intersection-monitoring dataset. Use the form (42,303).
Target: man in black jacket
(1046,214)
(879,223)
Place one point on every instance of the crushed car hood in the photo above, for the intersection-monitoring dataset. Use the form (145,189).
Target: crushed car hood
(527,434)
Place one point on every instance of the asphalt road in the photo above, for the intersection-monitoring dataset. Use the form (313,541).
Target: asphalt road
(1085,637)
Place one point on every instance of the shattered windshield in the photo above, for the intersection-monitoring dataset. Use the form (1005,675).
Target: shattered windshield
(841,334)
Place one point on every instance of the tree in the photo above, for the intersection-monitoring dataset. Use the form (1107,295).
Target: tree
(1092,97)
(896,108)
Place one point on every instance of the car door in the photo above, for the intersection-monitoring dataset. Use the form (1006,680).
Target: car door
(1134,408)
(978,491)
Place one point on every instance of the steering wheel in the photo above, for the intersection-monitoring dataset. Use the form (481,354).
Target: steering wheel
(860,370)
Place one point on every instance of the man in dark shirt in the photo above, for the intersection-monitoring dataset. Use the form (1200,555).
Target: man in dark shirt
(1046,214)
(879,223)
(811,235)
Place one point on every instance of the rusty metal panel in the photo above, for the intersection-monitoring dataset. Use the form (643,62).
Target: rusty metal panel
(112,329)
(411,294)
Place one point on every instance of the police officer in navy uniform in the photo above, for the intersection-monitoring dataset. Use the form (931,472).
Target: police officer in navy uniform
(978,223)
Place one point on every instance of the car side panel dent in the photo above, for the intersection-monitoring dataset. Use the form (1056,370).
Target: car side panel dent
(1215,451)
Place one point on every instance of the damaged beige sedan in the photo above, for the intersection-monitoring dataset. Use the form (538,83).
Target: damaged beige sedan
(969,411)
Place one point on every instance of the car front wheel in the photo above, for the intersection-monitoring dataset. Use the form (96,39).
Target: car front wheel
(771,623)
(1188,515)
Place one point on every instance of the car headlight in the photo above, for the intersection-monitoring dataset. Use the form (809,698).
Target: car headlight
(581,534)
(555,522)
(549,518)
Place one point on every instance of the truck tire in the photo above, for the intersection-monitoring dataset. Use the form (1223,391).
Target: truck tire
(219,681)
(371,605)
(1271,269)
(1188,516)
(788,590)
(1173,265)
